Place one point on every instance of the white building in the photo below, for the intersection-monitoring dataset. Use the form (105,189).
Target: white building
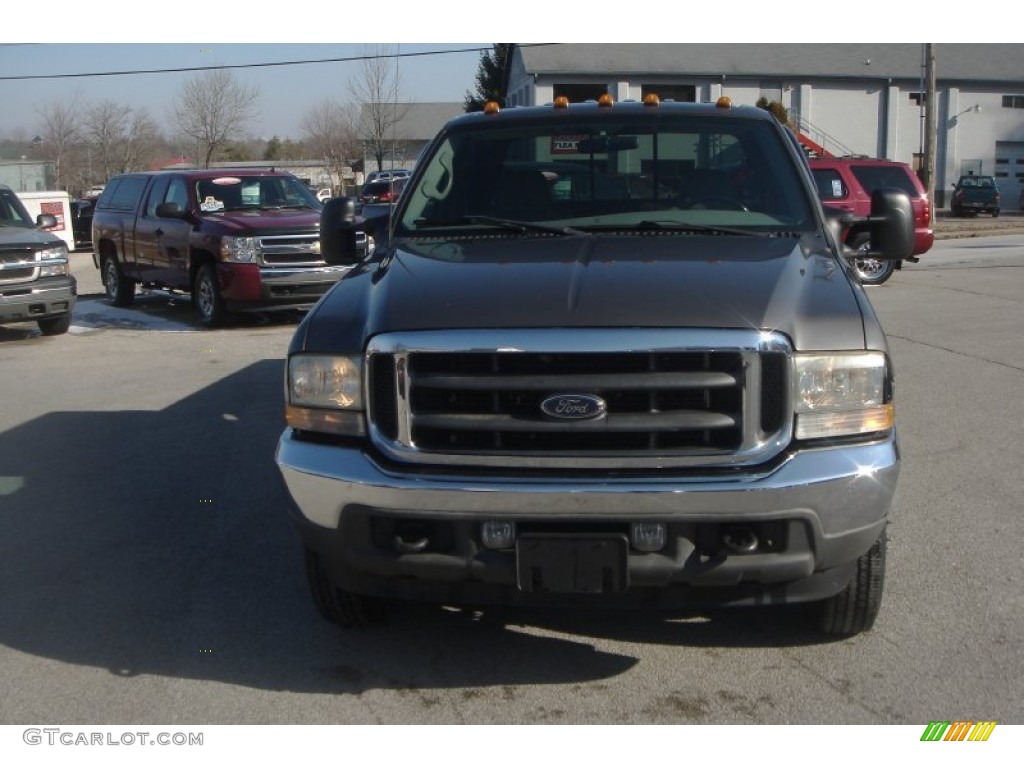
(408,128)
(854,98)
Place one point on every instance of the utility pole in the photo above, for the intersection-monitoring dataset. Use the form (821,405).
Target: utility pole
(930,113)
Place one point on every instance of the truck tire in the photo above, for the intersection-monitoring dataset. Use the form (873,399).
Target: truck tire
(870,271)
(854,609)
(337,606)
(54,326)
(206,296)
(120,289)
(995,214)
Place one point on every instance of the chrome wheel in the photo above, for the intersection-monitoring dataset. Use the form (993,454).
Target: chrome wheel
(870,271)
(206,295)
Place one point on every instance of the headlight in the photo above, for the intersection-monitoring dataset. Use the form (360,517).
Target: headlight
(53,261)
(325,394)
(844,394)
(243,249)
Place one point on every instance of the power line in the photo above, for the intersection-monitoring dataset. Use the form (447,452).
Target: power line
(206,68)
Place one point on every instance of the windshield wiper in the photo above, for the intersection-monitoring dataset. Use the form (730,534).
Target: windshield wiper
(511,224)
(651,225)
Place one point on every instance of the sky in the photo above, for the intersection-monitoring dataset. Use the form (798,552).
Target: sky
(69,38)
(445,72)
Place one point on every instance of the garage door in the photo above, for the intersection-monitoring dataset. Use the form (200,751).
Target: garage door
(1010,172)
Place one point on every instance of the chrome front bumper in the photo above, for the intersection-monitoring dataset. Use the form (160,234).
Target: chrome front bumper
(837,499)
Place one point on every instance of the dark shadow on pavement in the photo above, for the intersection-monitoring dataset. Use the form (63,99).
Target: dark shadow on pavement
(158,543)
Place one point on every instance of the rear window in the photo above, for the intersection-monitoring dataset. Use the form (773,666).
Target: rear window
(873,177)
(122,194)
(830,184)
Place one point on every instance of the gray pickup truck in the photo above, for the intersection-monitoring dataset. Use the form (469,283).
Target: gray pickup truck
(36,284)
(604,354)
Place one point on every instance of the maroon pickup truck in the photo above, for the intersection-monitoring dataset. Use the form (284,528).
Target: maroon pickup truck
(236,239)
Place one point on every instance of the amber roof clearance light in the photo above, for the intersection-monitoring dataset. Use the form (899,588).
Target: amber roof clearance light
(651,100)
(724,102)
(606,100)
(492,108)
(561,102)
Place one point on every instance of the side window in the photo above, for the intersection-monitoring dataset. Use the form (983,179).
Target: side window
(829,183)
(177,192)
(126,194)
(156,195)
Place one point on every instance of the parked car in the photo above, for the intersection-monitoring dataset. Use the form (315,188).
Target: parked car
(382,191)
(396,173)
(35,281)
(538,393)
(973,195)
(847,183)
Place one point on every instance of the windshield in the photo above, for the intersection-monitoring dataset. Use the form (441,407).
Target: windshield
(237,193)
(679,171)
(12,212)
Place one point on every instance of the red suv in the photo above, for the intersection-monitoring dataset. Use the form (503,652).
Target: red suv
(847,183)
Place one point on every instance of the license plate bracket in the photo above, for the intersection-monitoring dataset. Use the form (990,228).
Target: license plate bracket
(572,563)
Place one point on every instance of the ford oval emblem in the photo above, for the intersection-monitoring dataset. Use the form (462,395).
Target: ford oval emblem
(573,407)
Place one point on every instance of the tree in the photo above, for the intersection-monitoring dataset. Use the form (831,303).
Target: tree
(780,112)
(331,134)
(377,89)
(59,132)
(120,139)
(211,109)
(273,149)
(490,78)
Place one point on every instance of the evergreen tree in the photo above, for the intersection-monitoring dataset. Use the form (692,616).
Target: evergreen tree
(489,78)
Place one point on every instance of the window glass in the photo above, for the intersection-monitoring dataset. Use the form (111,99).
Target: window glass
(606,172)
(156,195)
(830,184)
(124,194)
(873,177)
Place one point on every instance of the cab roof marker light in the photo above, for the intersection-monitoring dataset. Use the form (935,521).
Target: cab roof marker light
(492,108)
(562,102)
(652,100)
(724,102)
(606,100)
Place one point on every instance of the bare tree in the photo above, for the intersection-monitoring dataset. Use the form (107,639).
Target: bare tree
(376,88)
(332,133)
(211,109)
(59,132)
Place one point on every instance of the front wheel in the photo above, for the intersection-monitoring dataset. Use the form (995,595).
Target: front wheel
(207,298)
(54,326)
(120,290)
(855,608)
(338,606)
(870,271)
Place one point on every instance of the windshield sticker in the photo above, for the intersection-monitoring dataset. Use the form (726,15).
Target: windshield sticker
(837,188)
(210,203)
(227,180)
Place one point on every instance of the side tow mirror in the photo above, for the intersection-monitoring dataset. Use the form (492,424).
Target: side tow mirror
(891,224)
(338,231)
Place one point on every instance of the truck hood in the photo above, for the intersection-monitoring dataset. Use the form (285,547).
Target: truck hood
(241,223)
(26,237)
(787,284)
